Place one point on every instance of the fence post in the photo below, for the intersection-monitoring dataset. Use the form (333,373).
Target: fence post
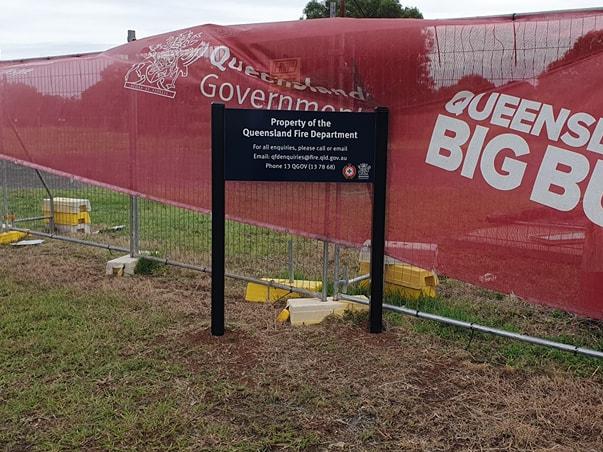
(133,144)
(4,212)
(336,271)
(134,227)
(346,279)
(50,201)
(325,269)
(290,259)
(4,224)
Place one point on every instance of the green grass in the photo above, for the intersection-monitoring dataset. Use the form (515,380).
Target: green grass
(99,371)
(148,267)
(501,350)
(183,235)
(75,371)
(163,228)
(490,348)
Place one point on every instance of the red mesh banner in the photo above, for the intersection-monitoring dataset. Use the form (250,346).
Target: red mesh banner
(496,146)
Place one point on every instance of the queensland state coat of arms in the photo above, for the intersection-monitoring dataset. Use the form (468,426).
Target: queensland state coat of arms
(165,63)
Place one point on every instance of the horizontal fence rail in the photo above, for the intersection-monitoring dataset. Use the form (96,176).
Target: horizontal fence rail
(482,329)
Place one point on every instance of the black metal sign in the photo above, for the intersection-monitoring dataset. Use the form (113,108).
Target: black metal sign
(270,145)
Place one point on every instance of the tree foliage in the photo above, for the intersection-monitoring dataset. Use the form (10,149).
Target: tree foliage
(316,9)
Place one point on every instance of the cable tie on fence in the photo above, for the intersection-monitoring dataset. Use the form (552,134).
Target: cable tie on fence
(283,297)
(470,338)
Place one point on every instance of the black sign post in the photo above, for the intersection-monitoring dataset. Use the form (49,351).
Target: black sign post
(378,236)
(218,212)
(298,146)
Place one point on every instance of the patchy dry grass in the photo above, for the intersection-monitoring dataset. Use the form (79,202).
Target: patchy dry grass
(473,304)
(95,363)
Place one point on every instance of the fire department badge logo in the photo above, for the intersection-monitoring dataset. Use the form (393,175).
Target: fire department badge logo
(349,171)
(165,63)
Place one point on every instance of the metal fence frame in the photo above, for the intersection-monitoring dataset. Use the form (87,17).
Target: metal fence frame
(340,284)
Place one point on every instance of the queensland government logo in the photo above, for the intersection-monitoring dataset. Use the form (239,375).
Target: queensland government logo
(165,63)
(364,170)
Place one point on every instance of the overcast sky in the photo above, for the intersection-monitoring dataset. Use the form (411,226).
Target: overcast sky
(30,28)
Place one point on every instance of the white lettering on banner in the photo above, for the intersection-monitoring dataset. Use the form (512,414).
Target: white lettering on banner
(546,117)
(512,170)
(503,111)
(487,110)
(222,59)
(474,151)
(459,102)
(441,141)
(525,116)
(168,61)
(578,133)
(212,88)
(445,152)
(562,180)
(550,175)
(593,199)
(595,144)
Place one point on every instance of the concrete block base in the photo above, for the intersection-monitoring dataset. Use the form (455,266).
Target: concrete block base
(311,311)
(124,265)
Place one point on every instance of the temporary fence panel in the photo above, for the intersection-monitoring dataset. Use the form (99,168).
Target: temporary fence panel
(494,175)
(164,232)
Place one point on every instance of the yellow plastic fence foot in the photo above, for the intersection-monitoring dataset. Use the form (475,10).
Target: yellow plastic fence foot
(260,293)
(283,316)
(405,280)
(6,238)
